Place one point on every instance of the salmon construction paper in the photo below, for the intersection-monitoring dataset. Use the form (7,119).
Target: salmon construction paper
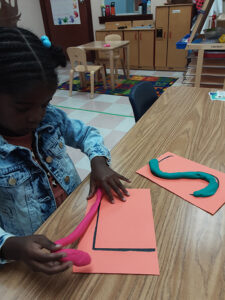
(121,237)
(170,162)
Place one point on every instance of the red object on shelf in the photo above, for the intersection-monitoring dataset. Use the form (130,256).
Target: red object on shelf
(212,54)
(107,10)
(213,21)
(113,12)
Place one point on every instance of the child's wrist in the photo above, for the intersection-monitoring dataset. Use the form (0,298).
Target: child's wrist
(98,161)
(8,249)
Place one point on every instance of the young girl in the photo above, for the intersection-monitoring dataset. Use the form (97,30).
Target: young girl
(36,174)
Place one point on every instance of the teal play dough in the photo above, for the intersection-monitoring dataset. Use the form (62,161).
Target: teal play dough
(209,190)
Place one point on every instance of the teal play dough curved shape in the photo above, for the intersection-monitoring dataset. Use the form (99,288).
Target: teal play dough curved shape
(209,190)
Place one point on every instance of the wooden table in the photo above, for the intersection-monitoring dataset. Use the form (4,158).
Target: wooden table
(190,242)
(99,46)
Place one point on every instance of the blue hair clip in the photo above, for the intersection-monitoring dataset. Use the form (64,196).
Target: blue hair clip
(45,41)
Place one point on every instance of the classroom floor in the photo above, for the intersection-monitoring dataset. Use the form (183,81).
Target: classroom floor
(112,115)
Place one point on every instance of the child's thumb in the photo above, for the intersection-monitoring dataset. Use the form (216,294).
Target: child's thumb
(92,190)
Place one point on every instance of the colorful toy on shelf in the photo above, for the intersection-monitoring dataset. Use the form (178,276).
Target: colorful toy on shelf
(222,38)
(106,45)
(79,258)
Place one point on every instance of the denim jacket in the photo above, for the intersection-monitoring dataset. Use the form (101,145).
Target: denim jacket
(26,198)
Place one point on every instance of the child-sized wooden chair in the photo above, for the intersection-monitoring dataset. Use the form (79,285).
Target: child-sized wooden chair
(103,58)
(78,60)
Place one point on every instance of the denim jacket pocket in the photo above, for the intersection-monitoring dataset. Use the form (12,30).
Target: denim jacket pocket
(57,147)
(13,177)
(14,183)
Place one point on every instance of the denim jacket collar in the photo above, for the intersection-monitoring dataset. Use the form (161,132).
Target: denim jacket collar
(6,148)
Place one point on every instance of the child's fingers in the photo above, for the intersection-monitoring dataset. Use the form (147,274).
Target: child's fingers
(50,269)
(122,187)
(92,190)
(47,257)
(44,242)
(107,189)
(123,177)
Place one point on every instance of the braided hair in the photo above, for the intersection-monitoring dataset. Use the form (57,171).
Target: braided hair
(24,60)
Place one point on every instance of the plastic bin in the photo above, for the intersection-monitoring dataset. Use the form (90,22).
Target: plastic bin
(181,44)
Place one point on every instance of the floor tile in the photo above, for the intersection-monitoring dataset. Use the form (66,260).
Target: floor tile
(107,98)
(73,102)
(145,73)
(106,121)
(120,109)
(84,116)
(66,110)
(96,106)
(75,154)
(83,173)
(57,99)
(84,163)
(125,125)
(122,100)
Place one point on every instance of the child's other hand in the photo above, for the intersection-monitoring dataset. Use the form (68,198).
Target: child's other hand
(29,249)
(103,176)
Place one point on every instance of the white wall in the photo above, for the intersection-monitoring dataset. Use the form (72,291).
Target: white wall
(31,17)
(155,3)
(96,12)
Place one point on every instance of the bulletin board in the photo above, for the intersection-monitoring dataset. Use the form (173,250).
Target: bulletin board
(65,12)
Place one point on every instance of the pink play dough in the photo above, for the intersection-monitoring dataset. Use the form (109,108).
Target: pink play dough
(79,258)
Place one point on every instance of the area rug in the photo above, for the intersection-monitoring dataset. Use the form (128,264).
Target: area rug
(123,87)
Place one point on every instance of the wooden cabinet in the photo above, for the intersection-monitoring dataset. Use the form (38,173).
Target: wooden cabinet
(132,36)
(172,23)
(141,48)
(146,49)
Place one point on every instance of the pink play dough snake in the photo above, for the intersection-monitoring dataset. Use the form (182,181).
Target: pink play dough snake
(79,258)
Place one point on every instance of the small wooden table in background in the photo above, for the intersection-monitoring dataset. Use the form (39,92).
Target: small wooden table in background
(99,46)
(190,242)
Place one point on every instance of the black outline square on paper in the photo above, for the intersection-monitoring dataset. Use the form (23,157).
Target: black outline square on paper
(116,249)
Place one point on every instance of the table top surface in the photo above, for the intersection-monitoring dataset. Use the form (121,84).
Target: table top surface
(190,242)
(96,45)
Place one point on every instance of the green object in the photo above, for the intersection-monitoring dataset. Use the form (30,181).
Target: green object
(209,190)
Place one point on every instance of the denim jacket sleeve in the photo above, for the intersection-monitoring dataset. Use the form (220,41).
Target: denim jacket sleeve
(78,135)
(3,237)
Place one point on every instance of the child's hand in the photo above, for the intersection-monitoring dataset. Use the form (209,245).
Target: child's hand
(104,177)
(29,249)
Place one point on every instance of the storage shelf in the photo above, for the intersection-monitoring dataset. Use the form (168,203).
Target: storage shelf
(205,80)
(209,63)
(215,72)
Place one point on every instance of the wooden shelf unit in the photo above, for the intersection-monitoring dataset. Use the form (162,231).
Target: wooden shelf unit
(202,71)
